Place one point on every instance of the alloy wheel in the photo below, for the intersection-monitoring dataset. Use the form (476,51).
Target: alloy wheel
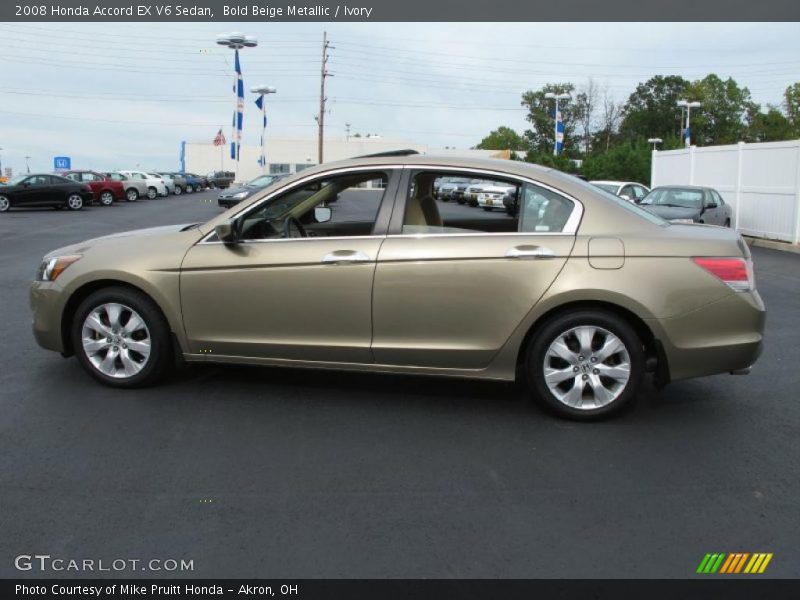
(152,193)
(116,340)
(4,204)
(587,367)
(132,195)
(106,199)
(75,202)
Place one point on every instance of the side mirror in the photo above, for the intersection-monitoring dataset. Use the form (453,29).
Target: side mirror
(322,214)
(228,232)
(711,205)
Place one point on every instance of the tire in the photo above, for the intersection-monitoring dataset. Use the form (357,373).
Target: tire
(5,204)
(178,190)
(152,357)
(152,193)
(487,208)
(198,188)
(131,195)
(727,222)
(460,200)
(74,202)
(592,395)
(106,198)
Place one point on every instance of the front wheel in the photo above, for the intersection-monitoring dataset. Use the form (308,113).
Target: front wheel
(152,193)
(121,338)
(132,195)
(178,190)
(5,204)
(74,202)
(106,198)
(198,188)
(585,365)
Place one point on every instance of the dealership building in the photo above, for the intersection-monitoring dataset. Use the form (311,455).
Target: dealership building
(290,155)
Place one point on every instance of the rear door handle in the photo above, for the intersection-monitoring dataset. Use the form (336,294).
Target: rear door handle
(530,252)
(345,256)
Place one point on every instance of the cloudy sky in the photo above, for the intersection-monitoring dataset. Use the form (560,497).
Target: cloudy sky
(125,95)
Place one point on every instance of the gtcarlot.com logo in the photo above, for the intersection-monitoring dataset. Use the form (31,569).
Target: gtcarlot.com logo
(45,562)
(735,562)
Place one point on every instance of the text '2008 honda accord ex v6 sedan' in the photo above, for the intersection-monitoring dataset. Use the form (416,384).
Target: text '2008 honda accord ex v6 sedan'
(355,265)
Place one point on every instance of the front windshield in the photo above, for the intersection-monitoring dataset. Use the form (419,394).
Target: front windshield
(17,180)
(674,197)
(261,181)
(608,187)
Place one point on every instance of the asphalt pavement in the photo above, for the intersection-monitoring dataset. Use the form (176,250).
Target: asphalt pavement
(266,472)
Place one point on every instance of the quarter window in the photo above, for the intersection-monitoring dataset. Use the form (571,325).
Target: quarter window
(543,211)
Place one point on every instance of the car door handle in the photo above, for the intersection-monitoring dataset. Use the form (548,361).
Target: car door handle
(345,256)
(530,252)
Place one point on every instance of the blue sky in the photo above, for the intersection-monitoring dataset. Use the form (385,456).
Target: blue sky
(124,95)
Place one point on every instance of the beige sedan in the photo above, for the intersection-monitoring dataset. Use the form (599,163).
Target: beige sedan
(579,294)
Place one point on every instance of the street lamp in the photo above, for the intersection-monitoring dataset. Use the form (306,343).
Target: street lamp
(236,41)
(559,135)
(655,142)
(27,166)
(688,106)
(262,90)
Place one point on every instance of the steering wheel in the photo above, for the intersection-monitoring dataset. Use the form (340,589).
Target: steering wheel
(287,228)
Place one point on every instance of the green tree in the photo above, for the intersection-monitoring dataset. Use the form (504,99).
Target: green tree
(651,109)
(626,161)
(771,126)
(722,119)
(540,115)
(791,105)
(503,138)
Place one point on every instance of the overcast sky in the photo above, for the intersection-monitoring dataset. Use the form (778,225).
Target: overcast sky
(121,95)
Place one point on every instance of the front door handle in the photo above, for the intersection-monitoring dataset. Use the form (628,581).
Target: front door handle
(530,252)
(345,256)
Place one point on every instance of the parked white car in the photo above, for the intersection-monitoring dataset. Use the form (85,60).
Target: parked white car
(492,196)
(168,181)
(155,184)
(630,190)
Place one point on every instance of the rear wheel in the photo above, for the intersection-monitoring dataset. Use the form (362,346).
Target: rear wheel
(585,365)
(198,188)
(5,204)
(178,190)
(727,222)
(152,193)
(132,195)
(106,198)
(74,202)
(121,338)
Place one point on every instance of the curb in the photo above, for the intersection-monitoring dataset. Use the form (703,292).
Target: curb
(772,245)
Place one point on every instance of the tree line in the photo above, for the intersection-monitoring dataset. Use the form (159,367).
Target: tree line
(609,137)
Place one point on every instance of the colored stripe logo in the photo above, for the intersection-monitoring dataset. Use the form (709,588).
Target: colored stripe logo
(735,562)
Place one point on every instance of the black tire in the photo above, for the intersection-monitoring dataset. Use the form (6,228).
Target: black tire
(487,208)
(152,193)
(74,202)
(5,204)
(198,188)
(727,222)
(460,200)
(106,198)
(560,324)
(161,352)
(178,190)
(131,195)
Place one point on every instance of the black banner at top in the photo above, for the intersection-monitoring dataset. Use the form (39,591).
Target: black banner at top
(394,10)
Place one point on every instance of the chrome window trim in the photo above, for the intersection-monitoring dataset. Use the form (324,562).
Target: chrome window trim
(570,227)
(291,186)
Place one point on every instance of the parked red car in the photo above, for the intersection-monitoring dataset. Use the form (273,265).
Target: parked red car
(105,189)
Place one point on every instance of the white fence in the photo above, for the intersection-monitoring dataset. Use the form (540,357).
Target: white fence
(761,182)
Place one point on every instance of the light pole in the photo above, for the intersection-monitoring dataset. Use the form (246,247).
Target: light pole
(262,90)
(688,106)
(655,142)
(236,41)
(27,166)
(559,131)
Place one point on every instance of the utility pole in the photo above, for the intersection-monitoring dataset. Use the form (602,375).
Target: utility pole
(346,129)
(323,74)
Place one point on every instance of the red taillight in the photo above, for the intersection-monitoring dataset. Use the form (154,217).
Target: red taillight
(737,273)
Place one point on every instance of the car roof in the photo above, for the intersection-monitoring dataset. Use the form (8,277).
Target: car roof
(683,187)
(611,182)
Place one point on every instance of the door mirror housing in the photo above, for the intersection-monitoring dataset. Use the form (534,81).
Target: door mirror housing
(323,214)
(228,232)
(711,205)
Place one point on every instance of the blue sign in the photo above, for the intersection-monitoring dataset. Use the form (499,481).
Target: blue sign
(62,163)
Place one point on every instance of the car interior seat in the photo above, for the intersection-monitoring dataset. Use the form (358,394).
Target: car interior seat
(421,209)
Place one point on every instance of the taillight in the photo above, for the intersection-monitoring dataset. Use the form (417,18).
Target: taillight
(737,273)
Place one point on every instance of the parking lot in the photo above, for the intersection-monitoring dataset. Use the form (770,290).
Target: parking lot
(276,472)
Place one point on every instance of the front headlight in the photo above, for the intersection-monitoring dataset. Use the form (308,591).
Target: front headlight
(241,195)
(690,221)
(51,268)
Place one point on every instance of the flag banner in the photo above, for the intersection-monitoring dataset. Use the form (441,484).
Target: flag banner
(559,132)
(238,117)
(219,139)
(260,102)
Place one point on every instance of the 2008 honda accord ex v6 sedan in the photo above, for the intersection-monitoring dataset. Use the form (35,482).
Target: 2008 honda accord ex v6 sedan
(355,265)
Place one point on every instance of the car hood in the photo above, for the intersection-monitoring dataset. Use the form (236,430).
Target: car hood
(82,247)
(231,192)
(671,212)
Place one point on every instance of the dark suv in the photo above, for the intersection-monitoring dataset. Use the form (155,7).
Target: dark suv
(220,179)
